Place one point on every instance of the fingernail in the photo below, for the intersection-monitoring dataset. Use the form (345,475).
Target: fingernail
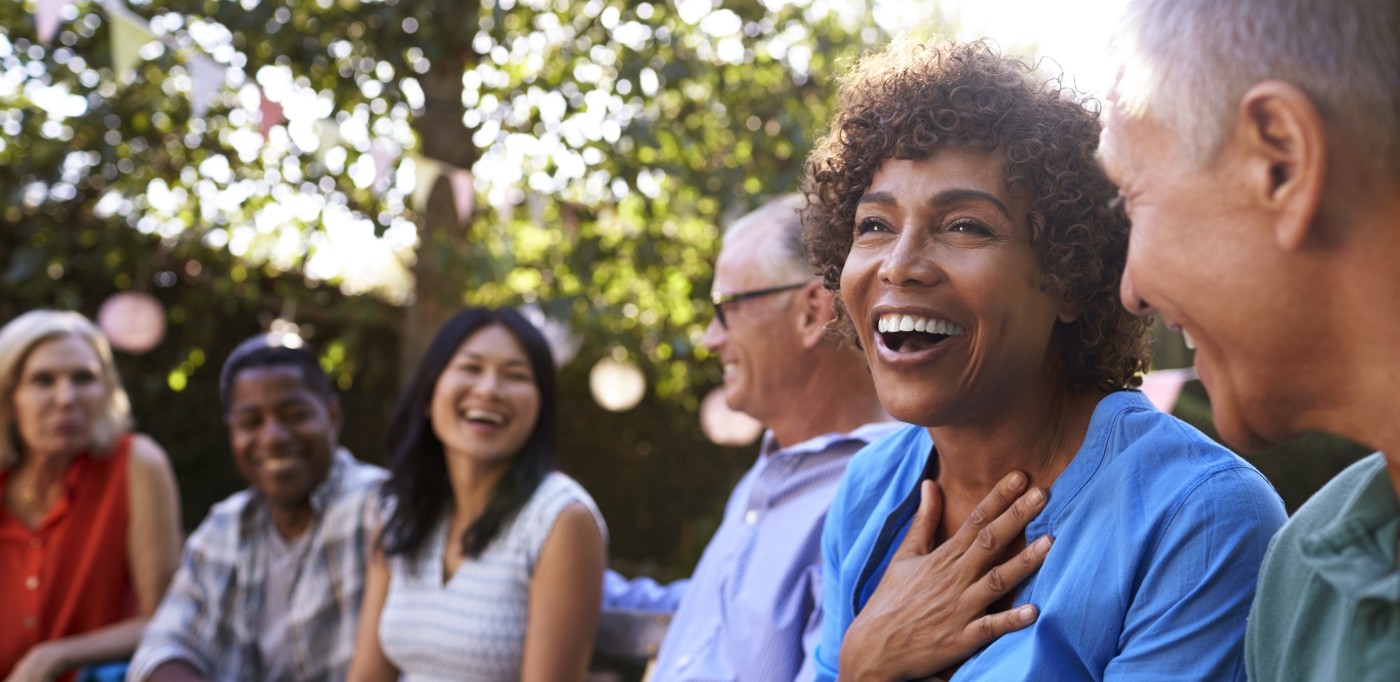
(1037,496)
(1016,480)
(1026,613)
(1043,544)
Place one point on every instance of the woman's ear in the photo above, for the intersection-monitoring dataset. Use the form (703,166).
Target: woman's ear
(1066,312)
(816,313)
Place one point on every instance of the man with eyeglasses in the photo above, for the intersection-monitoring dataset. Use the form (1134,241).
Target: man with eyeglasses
(752,609)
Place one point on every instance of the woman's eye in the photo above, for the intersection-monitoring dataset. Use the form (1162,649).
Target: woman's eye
(969,227)
(867,225)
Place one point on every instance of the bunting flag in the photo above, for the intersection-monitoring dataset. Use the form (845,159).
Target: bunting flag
(129,33)
(328,132)
(1163,386)
(463,193)
(48,16)
(383,162)
(207,77)
(270,113)
(426,172)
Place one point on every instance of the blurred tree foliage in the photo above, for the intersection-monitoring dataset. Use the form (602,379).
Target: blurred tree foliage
(608,140)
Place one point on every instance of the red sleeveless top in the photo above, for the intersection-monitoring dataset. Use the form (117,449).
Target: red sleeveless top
(70,574)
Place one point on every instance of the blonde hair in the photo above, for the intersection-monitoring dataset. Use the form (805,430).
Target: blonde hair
(21,336)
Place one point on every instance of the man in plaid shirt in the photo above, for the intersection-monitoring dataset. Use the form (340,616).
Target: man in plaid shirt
(269,585)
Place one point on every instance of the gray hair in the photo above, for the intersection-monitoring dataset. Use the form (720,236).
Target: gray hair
(787,255)
(1187,63)
(20,337)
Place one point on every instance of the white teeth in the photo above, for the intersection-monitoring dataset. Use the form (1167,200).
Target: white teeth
(1190,342)
(483,415)
(909,323)
(277,464)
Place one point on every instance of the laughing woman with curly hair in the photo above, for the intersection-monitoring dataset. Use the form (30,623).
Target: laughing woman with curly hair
(959,212)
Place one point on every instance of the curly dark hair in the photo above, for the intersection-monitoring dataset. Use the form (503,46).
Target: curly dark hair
(906,101)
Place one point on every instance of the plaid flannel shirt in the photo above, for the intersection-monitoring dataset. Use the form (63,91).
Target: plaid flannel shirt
(212,612)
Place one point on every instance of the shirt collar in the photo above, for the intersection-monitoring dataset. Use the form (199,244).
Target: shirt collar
(865,433)
(1356,551)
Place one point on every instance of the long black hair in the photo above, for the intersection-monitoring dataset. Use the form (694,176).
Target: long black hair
(418,479)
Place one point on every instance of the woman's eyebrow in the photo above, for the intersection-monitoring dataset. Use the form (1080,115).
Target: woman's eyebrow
(880,198)
(957,196)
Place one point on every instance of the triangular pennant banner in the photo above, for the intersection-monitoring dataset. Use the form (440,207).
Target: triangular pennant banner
(329,133)
(426,172)
(270,114)
(463,193)
(383,162)
(207,77)
(129,33)
(1163,386)
(48,16)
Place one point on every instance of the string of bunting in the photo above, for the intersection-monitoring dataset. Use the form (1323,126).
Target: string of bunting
(130,32)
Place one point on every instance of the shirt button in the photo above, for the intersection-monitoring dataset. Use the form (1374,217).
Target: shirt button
(683,661)
(31,583)
(751,517)
(29,622)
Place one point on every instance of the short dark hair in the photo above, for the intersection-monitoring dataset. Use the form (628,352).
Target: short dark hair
(908,100)
(418,484)
(267,350)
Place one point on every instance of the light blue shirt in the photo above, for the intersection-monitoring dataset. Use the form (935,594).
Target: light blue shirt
(752,609)
(1159,534)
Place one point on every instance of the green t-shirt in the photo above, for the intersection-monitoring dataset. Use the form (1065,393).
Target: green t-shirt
(1328,602)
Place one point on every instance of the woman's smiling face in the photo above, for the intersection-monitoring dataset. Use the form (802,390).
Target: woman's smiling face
(945,290)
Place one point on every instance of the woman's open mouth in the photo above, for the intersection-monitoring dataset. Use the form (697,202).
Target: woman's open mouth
(911,334)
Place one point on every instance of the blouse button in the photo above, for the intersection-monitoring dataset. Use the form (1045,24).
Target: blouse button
(32,582)
(29,622)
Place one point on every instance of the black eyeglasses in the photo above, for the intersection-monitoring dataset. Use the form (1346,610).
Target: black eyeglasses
(720,300)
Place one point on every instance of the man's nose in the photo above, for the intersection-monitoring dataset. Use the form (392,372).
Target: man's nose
(714,335)
(274,431)
(1132,299)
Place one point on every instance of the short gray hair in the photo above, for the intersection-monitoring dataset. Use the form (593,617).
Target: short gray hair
(1187,63)
(20,337)
(788,255)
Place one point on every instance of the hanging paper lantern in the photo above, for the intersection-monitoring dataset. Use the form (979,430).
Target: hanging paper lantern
(617,385)
(724,426)
(133,321)
(563,342)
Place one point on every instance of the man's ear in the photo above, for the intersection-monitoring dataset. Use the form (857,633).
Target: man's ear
(816,312)
(333,413)
(1284,140)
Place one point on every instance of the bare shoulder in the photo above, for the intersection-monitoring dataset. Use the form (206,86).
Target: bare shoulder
(576,518)
(575,534)
(149,466)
